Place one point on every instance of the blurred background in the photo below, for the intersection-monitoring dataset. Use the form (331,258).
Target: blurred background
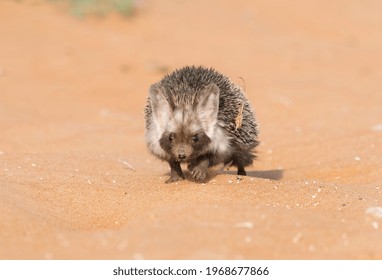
(83,8)
(311,68)
(74,76)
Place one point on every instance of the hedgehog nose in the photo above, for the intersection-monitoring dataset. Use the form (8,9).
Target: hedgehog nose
(181,156)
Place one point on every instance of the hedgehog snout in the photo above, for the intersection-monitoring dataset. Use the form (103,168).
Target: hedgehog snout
(181,156)
(181,153)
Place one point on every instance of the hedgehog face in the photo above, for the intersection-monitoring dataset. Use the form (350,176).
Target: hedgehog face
(184,144)
(184,129)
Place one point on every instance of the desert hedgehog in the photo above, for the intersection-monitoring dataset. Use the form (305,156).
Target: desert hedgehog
(198,116)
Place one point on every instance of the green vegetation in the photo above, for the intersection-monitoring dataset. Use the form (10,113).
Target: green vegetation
(82,8)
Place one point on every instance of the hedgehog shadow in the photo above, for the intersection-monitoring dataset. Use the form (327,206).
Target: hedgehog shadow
(275,174)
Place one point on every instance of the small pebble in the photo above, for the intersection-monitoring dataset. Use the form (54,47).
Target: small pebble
(377,127)
(122,245)
(48,256)
(374,211)
(297,237)
(65,243)
(128,165)
(138,256)
(244,225)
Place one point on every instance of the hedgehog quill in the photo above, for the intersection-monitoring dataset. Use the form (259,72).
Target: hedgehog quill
(198,117)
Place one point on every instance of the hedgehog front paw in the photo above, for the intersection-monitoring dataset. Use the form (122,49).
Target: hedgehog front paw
(174,178)
(199,173)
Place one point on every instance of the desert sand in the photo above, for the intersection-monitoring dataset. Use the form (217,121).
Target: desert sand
(76,179)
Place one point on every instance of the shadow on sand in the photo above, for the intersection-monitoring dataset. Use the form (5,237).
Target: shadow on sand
(276,174)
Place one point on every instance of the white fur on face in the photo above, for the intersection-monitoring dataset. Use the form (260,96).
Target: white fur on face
(161,111)
(219,141)
(153,134)
(187,119)
(179,116)
(207,108)
(175,122)
(192,120)
(184,119)
(159,118)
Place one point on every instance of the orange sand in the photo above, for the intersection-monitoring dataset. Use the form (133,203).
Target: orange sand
(72,94)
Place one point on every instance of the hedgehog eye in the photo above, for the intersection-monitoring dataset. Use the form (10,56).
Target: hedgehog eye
(171,138)
(195,138)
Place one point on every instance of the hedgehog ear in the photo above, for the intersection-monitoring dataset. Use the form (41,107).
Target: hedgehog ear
(159,105)
(207,106)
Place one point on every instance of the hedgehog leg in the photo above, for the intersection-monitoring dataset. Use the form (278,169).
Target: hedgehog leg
(241,159)
(176,172)
(240,162)
(241,170)
(199,168)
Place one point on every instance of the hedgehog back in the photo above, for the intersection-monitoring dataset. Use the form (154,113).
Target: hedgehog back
(182,85)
